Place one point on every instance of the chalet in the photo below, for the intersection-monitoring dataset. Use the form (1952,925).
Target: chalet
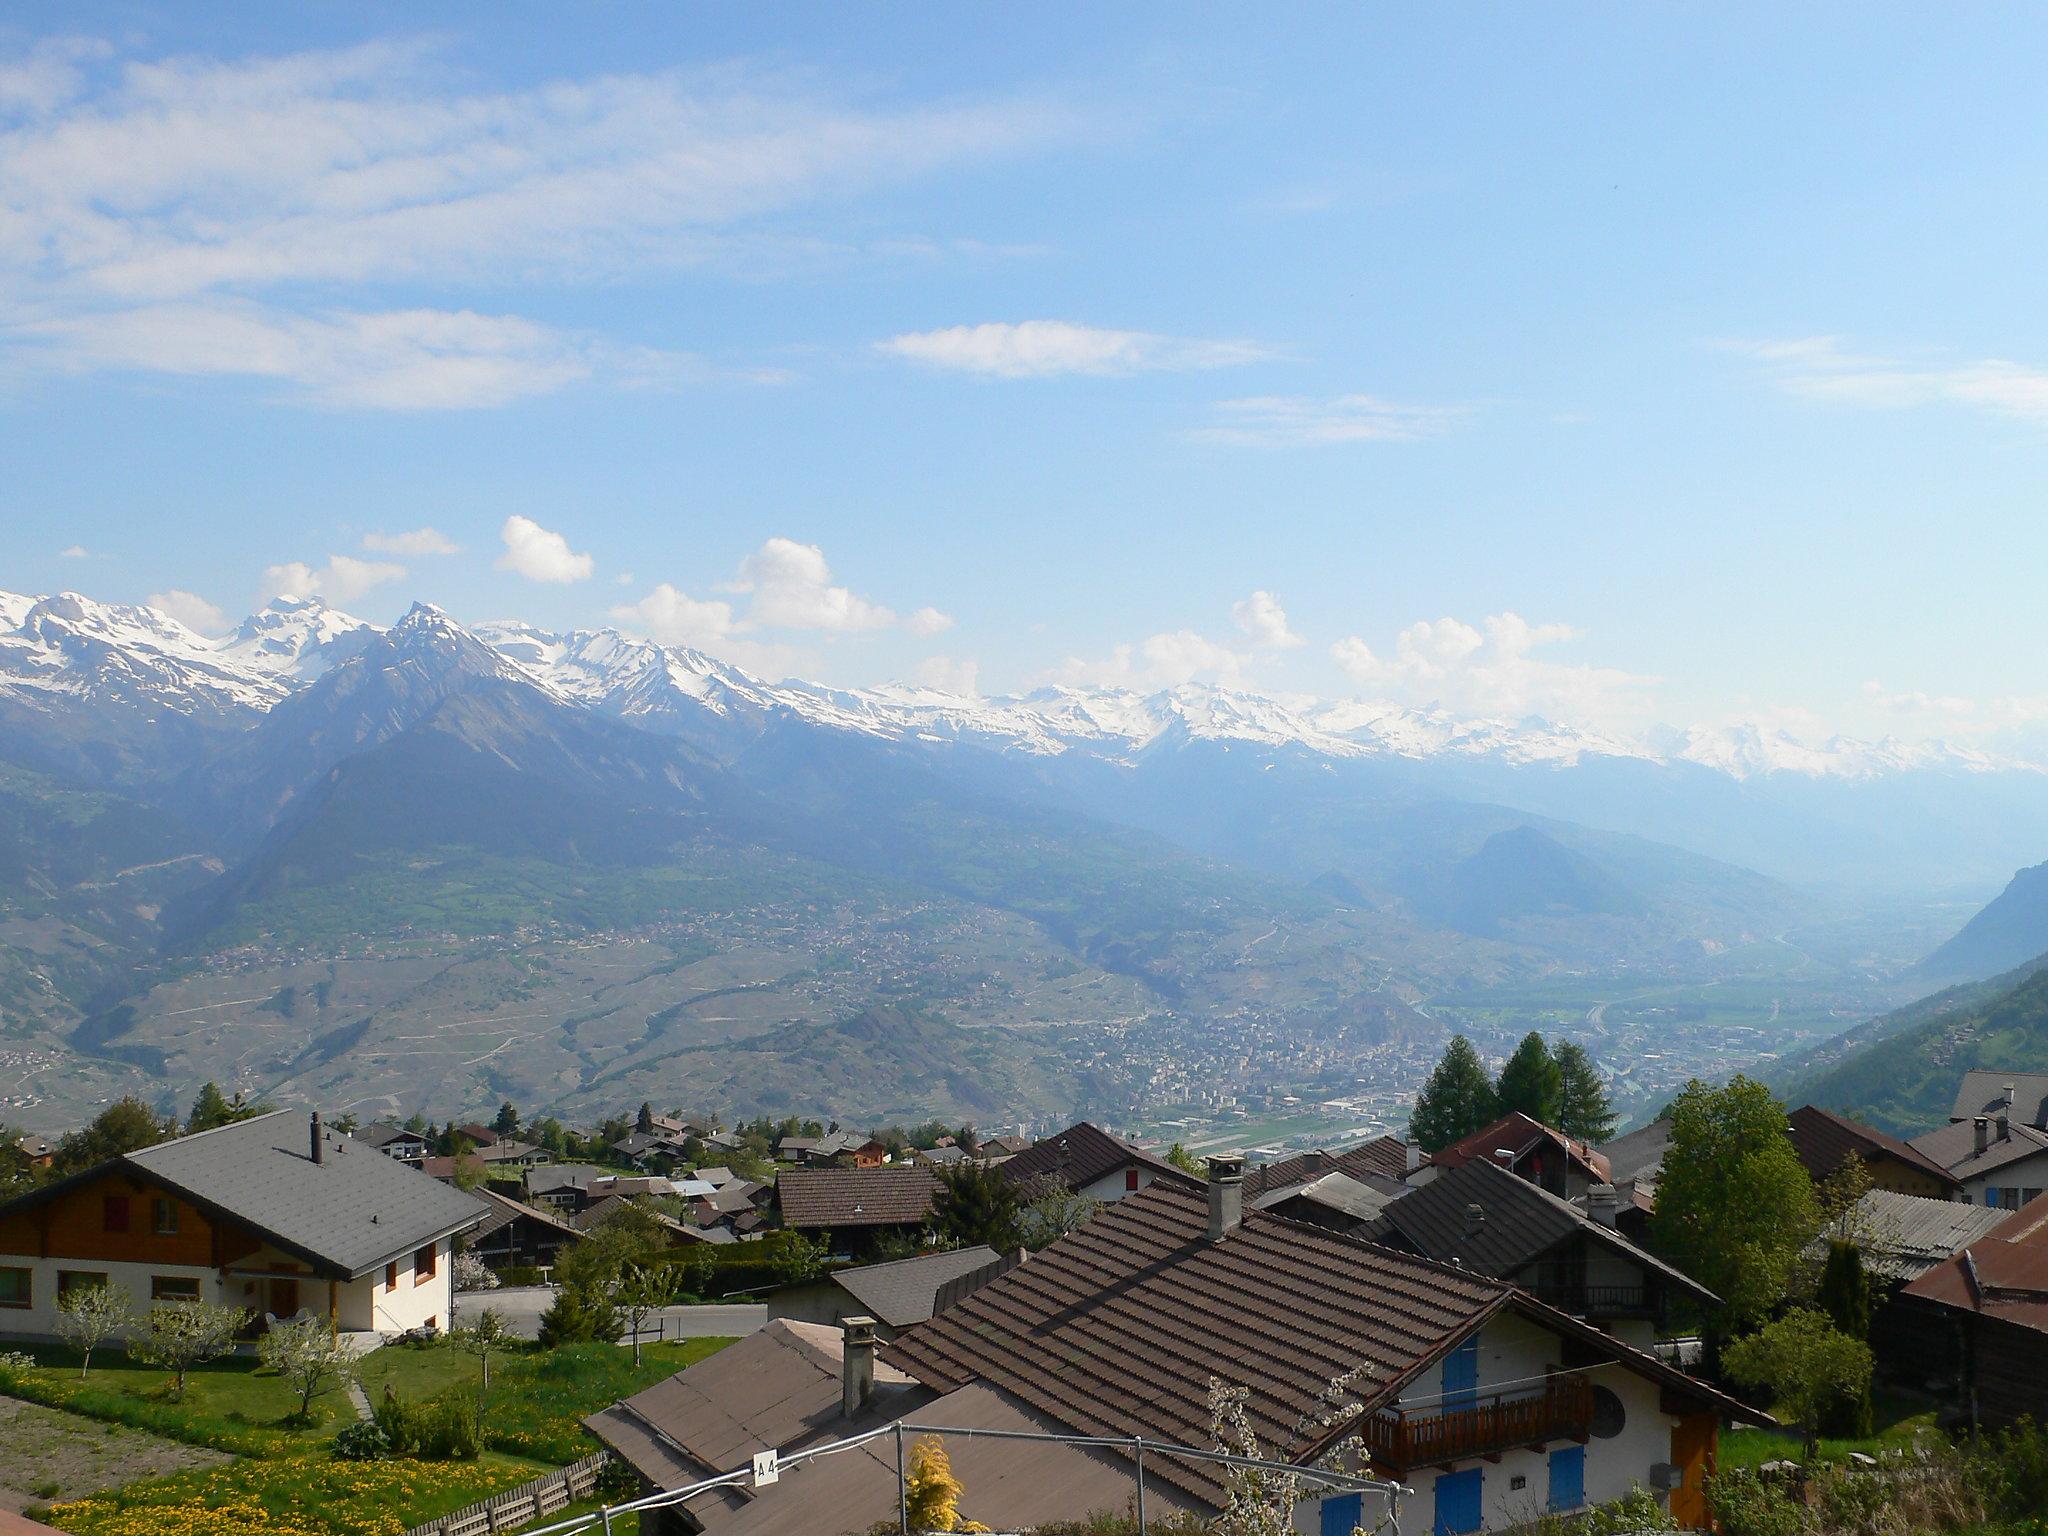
(1825,1141)
(1338,1190)
(1492,1406)
(1992,1299)
(514,1233)
(1902,1238)
(35,1151)
(994,1149)
(1997,1160)
(1090,1161)
(1530,1150)
(570,1187)
(275,1214)
(855,1207)
(1634,1164)
(510,1152)
(1484,1219)
(394,1141)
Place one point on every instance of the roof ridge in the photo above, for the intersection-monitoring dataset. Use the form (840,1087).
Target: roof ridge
(212,1130)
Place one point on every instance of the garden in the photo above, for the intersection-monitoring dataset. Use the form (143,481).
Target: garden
(309,1466)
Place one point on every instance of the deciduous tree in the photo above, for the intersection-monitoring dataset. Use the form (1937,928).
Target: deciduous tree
(1457,1100)
(1051,1210)
(309,1356)
(1735,1209)
(1806,1364)
(182,1334)
(975,1203)
(126,1125)
(483,1338)
(89,1315)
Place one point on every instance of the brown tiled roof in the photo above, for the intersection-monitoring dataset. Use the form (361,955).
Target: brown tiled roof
(1083,1153)
(855,1197)
(1386,1156)
(1117,1329)
(1824,1141)
(1520,1134)
(1382,1159)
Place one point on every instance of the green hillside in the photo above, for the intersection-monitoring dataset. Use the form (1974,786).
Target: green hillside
(1901,1073)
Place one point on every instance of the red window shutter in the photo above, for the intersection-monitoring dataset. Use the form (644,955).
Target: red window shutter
(114,1213)
(1130,1178)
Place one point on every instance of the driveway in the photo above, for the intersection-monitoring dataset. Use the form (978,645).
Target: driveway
(522,1305)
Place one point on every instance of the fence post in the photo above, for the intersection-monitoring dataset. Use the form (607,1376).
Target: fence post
(902,1486)
(1138,1444)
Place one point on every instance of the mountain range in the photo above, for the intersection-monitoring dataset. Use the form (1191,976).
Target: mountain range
(379,831)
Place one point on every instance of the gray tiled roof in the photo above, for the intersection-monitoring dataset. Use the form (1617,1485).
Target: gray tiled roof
(905,1291)
(350,1212)
(1982,1092)
(1954,1147)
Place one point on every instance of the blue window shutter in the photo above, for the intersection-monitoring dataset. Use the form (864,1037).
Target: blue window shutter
(1458,1502)
(1567,1478)
(1342,1513)
(1461,1375)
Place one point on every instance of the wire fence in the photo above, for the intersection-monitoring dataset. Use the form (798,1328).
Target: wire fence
(768,1467)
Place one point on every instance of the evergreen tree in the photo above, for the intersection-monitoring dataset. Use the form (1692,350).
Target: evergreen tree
(208,1110)
(126,1125)
(1457,1100)
(644,1121)
(1583,1107)
(1530,1082)
(508,1119)
(580,1314)
(1844,1295)
(975,1203)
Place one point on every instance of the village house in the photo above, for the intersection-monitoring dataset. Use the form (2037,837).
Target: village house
(394,1141)
(1495,1408)
(514,1233)
(1482,1218)
(35,1151)
(275,1214)
(1091,1162)
(1994,1146)
(1991,1300)
(1825,1141)
(1902,1238)
(1530,1150)
(898,1294)
(855,1208)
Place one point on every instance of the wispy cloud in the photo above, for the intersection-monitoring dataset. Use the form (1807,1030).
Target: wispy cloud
(1494,668)
(1301,421)
(1037,349)
(412,544)
(174,214)
(1821,368)
(190,610)
(343,578)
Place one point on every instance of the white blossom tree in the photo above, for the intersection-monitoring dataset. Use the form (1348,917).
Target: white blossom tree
(182,1334)
(89,1315)
(310,1358)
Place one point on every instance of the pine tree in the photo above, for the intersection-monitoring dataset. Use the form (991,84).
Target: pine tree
(1530,1082)
(1844,1295)
(210,1109)
(644,1121)
(1583,1107)
(1457,1100)
(507,1121)
(975,1203)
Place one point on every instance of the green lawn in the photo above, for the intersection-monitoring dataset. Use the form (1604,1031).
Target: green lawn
(1900,1421)
(288,1484)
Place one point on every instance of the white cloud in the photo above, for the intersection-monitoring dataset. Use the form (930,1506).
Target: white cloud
(1264,621)
(1036,349)
(144,202)
(950,675)
(414,544)
(1164,660)
(928,621)
(673,617)
(190,610)
(1819,368)
(342,579)
(791,588)
(1299,421)
(540,554)
(74,552)
(1492,669)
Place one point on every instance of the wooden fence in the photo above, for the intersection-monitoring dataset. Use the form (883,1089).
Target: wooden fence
(523,1505)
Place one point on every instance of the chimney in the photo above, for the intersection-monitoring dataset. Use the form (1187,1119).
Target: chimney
(1475,1217)
(1414,1155)
(319,1143)
(1603,1204)
(2009,1088)
(856,1364)
(1980,1134)
(1226,1194)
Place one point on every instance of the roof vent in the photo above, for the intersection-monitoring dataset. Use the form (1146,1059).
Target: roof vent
(319,1142)
(1475,1216)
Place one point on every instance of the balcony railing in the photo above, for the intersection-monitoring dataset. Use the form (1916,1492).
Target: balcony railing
(1562,1409)
(1584,1300)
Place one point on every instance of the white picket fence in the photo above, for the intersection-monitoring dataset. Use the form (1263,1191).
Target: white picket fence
(523,1505)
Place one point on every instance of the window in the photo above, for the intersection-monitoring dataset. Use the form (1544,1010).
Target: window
(423,1265)
(16,1288)
(114,1213)
(1130,1179)
(173,1288)
(163,1216)
(391,1276)
(69,1280)
(2008,1197)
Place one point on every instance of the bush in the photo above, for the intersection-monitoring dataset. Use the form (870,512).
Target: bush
(580,1315)
(364,1440)
(2013,1470)
(519,1274)
(1744,1504)
(444,1428)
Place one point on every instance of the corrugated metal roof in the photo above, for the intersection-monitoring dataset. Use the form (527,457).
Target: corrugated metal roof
(2003,1274)
(1912,1234)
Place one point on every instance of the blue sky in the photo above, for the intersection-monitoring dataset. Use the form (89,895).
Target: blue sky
(1615,364)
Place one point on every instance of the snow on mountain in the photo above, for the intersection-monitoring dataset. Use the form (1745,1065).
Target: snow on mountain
(71,645)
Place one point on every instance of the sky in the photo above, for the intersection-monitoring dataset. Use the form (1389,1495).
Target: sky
(1615,364)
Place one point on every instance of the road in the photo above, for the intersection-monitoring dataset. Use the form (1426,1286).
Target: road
(522,1305)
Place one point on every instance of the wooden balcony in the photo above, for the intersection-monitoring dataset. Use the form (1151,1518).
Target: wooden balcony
(1562,1409)
(1600,1301)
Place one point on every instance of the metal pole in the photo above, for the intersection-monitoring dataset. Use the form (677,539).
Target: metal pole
(1138,1446)
(902,1486)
